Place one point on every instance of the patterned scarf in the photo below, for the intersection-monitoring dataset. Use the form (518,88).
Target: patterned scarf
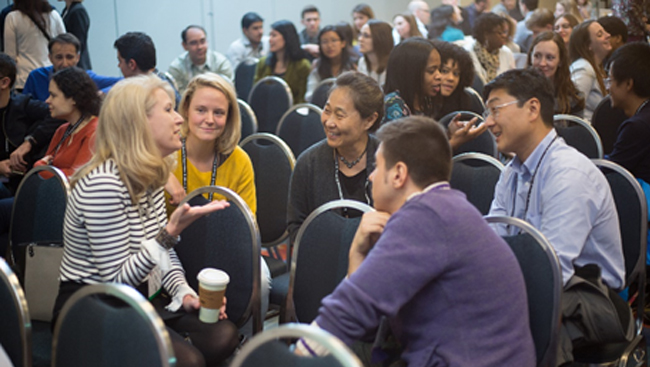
(489,61)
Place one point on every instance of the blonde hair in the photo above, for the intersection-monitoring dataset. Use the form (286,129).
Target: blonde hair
(124,135)
(228,140)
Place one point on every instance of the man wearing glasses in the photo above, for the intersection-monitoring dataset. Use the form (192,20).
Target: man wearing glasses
(561,193)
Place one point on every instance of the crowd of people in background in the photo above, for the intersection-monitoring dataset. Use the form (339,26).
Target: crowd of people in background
(393,79)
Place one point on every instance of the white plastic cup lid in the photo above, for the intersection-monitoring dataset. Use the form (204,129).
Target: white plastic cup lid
(210,276)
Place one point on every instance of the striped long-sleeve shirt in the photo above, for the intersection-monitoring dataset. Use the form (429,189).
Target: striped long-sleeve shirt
(108,239)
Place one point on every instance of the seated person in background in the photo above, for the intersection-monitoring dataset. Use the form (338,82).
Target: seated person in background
(285,60)
(457,73)
(564,25)
(310,18)
(116,228)
(540,21)
(253,44)
(451,288)
(334,59)
(629,90)
(473,10)
(589,46)
(27,128)
(524,36)
(375,44)
(197,58)
(64,53)
(564,195)
(444,24)
(406,27)
(549,55)
(136,55)
(488,53)
(74,99)
(617,33)
(338,166)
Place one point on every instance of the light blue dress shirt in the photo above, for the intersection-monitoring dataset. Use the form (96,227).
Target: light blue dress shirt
(571,204)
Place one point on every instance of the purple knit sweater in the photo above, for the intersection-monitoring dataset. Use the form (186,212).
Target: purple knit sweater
(450,286)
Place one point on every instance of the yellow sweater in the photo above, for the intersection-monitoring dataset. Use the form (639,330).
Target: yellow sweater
(235,173)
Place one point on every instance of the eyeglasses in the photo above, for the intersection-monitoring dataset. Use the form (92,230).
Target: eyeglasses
(329,41)
(607,82)
(494,110)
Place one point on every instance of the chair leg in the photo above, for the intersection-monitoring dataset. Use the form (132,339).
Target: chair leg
(636,354)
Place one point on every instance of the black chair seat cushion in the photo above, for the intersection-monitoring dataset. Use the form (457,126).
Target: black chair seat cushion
(279,289)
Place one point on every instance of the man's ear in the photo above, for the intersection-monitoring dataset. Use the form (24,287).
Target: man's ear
(133,66)
(534,108)
(5,83)
(398,175)
(184,46)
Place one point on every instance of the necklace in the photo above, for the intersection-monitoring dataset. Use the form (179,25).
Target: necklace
(354,162)
(215,164)
(641,106)
(68,132)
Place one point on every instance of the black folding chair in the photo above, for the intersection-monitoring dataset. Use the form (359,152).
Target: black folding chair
(270,98)
(632,210)
(301,127)
(110,325)
(244,76)
(267,350)
(543,277)
(228,240)
(477,106)
(484,143)
(322,92)
(606,120)
(476,175)
(248,120)
(16,334)
(579,134)
(319,261)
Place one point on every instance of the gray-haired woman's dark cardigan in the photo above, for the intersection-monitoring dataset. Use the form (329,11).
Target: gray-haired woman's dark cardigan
(313,185)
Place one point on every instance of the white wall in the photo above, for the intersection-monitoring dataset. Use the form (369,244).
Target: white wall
(163,20)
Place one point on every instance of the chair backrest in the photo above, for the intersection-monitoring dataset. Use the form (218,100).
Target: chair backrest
(632,209)
(322,92)
(39,207)
(110,325)
(579,134)
(267,350)
(543,277)
(273,164)
(477,84)
(16,334)
(229,240)
(301,127)
(484,143)
(476,175)
(244,76)
(320,256)
(248,120)
(270,98)
(606,120)
(478,105)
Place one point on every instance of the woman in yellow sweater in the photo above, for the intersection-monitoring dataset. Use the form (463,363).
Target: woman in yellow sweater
(210,155)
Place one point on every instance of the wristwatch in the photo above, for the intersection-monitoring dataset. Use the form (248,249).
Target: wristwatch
(31,140)
(166,240)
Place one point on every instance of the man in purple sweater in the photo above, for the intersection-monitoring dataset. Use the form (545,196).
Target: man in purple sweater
(450,287)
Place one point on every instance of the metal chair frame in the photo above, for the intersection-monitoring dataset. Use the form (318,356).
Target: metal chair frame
(549,358)
(135,300)
(340,351)
(10,280)
(474,93)
(293,109)
(583,123)
(323,82)
(243,105)
(254,305)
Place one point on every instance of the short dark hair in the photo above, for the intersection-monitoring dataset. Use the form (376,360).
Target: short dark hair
(405,71)
(485,24)
(8,68)
(309,9)
(530,4)
(249,18)
(421,144)
(65,39)
(614,26)
(76,84)
(184,32)
(525,84)
(367,97)
(139,47)
(630,61)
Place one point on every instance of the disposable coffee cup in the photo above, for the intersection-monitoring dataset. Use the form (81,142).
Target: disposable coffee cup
(212,287)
